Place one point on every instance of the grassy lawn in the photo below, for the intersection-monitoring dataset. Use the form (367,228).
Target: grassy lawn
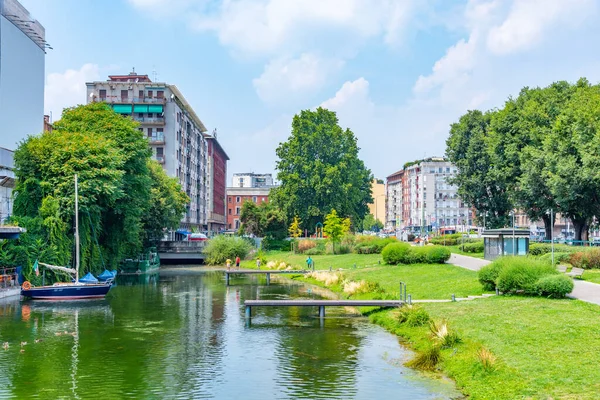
(545,349)
(592,275)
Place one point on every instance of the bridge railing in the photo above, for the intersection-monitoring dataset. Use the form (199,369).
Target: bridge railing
(180,246)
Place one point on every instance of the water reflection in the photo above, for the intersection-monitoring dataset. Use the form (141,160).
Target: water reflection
(184,336)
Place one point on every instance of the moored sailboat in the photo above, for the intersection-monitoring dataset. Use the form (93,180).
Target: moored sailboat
(68,290)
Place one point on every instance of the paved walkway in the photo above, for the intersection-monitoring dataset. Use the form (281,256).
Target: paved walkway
(584,291)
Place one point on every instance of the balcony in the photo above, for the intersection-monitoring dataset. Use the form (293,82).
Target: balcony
(156,140)
(150,121)
(160,159)
(130,100)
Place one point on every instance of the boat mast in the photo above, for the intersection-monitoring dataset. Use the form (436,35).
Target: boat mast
(76,233)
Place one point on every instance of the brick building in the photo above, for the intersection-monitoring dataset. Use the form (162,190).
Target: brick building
(236,198)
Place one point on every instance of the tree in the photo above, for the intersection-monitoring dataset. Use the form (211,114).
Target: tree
(372,224)
(294,228)
(264,220)
(479,183)
(335,227)
(319,171)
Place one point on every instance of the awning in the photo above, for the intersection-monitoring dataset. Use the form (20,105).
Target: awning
(122,108)
(140,108)
(155,108)
(183,232)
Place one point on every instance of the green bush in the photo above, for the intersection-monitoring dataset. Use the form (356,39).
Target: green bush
(223,247)
(395,253)
(437,254)
(558,257)
(586,259)
(520,274)
(427,359)
(315,251)
(473,247)
(488,275)
(371,244)
(413,316)
(538,249)
(556,286)
(415,255)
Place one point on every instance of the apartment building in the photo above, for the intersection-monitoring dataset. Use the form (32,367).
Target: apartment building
(252,180)
(217,175)
(420,196)
(377,207)
(237,196)
(176,135)
(7,183)
(22,70)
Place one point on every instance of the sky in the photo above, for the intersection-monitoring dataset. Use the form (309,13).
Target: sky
(397,72)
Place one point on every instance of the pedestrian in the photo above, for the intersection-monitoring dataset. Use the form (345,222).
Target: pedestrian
(228,262)
(237,262)
(309,262)
(258,263)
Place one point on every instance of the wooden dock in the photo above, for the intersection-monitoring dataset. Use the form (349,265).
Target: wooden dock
(319,303)
(261,271)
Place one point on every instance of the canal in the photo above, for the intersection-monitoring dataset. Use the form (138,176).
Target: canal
(182,335)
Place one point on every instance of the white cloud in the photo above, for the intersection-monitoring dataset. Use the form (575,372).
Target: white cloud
(67,89)
(352,96)
(285,78)
(530,20)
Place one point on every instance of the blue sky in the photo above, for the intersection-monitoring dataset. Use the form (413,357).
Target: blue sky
(398,72)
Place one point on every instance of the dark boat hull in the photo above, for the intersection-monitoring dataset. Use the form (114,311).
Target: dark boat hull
(67,292)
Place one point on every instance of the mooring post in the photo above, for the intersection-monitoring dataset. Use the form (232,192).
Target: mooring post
(453,297)
(268,278)
(409,299)
(321,311)
(248,312)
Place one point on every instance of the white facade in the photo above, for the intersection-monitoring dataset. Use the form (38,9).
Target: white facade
(393,201)
(7,183)
(175,133)
(22,60)
(252,180)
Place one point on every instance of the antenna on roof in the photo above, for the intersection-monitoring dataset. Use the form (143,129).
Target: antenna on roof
(133,70)
(154,74)
(214,133)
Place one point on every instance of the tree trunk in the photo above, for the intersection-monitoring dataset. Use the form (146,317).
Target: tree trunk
(547,226)
(580,226)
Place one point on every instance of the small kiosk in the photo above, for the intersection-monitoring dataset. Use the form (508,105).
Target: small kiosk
(505,242)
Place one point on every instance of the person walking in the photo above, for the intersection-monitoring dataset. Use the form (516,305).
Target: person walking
(258,263)
(228,263)
(309,262)
(237,262)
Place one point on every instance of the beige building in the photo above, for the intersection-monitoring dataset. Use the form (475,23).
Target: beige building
(377,208)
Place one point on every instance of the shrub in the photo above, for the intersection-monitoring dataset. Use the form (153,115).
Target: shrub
(520,274)
(437,254)
(395,253)
(586,259)
(487,359)
(442,334)
(305,244)
(371,244)
(413,316)
(538,249)
(427,359)
(556,286)
(473,247)
(274,244)
(222,247)
(314,252)
(558,257)
(488,275)
(365,249)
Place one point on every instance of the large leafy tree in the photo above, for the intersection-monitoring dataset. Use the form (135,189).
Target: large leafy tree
(264,220)
(124,198)
(479,184)
(319,171)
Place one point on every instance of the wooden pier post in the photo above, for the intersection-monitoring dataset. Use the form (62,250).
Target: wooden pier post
(321,311)
(248,312)
(268,278)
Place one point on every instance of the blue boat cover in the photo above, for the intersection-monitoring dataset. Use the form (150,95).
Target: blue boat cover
(106,274)
(88,278)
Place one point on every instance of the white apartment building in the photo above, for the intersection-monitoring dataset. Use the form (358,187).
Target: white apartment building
(427,199)
(7,183)
(175,133)
(252,180)
(22,70)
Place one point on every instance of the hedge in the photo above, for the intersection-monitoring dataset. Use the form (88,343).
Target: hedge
(402,253)
(556,286)
(585,259)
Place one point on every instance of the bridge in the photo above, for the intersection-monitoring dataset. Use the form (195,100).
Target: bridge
(181,251)
(319,303)
(260,271)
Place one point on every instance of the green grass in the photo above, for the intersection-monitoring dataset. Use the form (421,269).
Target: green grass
(545,348)
(592,275)
(457,250)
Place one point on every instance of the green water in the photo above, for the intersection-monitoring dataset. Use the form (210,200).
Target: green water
(183,335)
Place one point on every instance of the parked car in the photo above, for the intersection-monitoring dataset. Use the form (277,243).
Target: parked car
(195,237)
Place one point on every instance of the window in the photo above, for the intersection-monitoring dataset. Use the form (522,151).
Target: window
(150,115)
(159,130)
(254,199)
(237,210)
(124,95)
(237,199)
(141,94)
(230,211)
(440,170)
(150,132)
(141,130)
(229,199)
(160,94)
(102,94)
(149,94)
(237,224)
(447,170)
(432,171)
(159,152)
(263,199)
